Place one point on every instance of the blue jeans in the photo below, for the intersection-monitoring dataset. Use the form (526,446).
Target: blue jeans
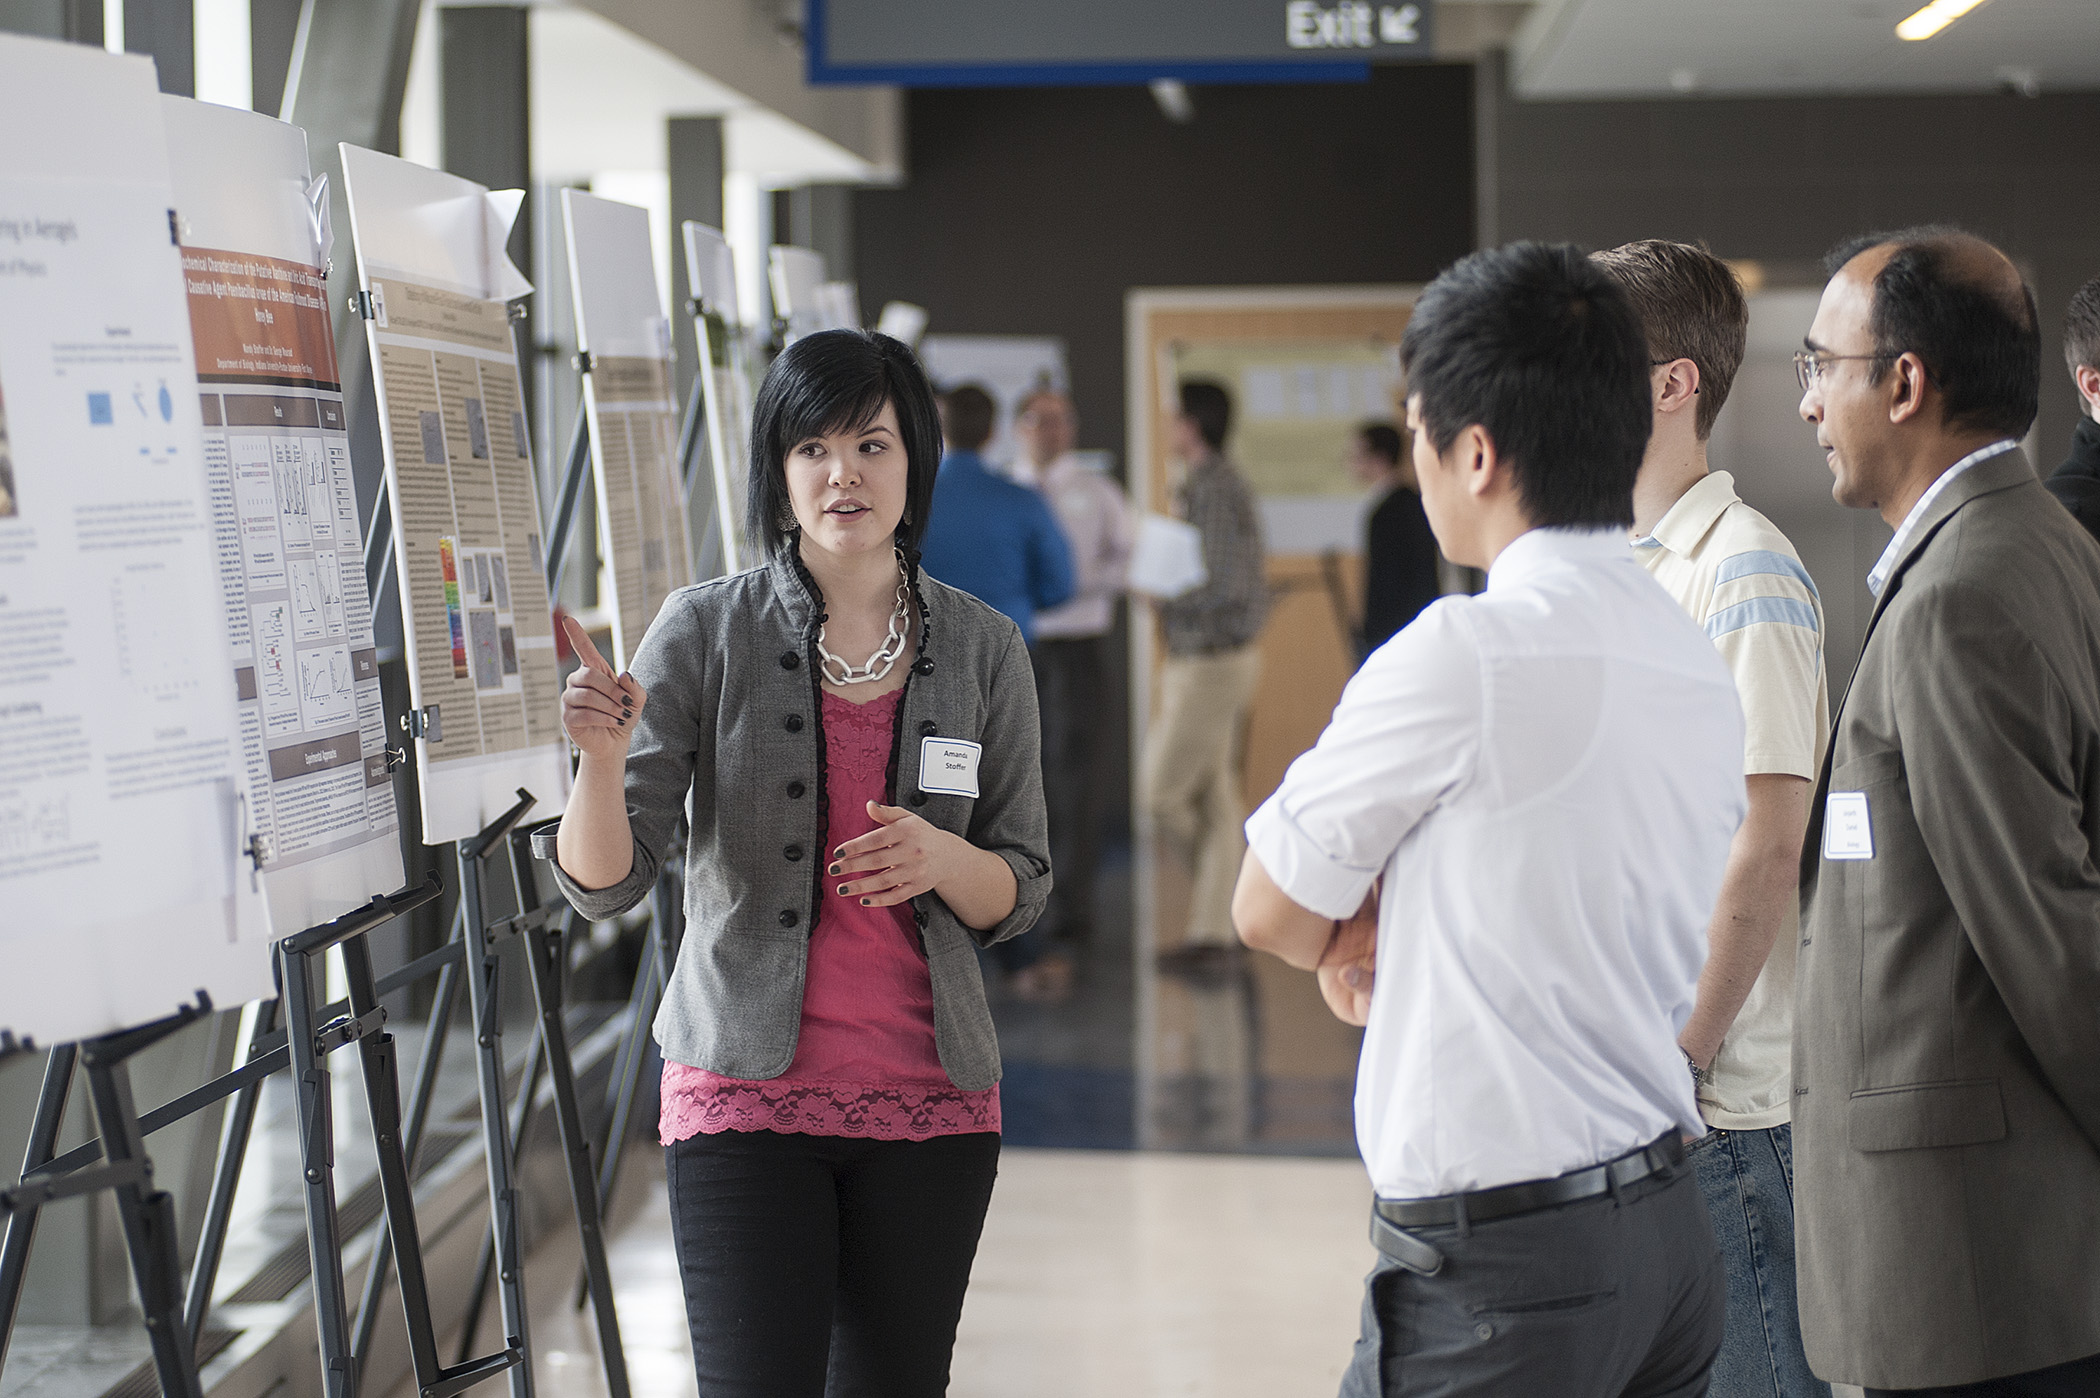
(1748,1180)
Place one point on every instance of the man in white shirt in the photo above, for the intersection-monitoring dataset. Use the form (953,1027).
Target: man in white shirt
(1071,668)
(1741,580)
(1505,770)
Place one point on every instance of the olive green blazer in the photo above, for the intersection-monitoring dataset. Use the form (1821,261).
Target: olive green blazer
(1947,1032)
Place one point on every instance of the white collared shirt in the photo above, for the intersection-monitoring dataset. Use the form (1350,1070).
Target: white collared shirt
(1878,575)
(1548,776)
(1095,515)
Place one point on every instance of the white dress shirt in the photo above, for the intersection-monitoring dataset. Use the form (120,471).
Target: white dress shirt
(1878,575)
(1095,515)
(1548,776)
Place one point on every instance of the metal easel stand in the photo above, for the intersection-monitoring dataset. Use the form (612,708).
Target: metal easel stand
(299,961)
(148,1214)
(659,952)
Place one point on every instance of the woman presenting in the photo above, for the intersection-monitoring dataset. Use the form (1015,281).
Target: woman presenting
(858,744)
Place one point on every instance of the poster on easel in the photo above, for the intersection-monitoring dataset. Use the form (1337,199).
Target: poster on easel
(124,817)
(725,397)
(255,236)
(469,553)
(632,409)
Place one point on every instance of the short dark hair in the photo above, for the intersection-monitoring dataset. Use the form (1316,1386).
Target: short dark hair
(1206,403)
(968,415)
(1690,306)
(1537,345)
(2082,327)
(1381,439)
(1981,348)
(838,381)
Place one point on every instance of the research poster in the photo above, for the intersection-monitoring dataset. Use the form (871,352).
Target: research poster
(469,552)
(285,516)
(643,534)
(725,399)
(123,810)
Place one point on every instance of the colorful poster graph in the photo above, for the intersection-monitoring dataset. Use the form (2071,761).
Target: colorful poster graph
(460,480)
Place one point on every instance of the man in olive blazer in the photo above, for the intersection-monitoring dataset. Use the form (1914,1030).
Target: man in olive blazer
(1947,1035)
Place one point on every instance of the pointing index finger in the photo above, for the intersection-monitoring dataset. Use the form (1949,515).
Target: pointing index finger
(585,651)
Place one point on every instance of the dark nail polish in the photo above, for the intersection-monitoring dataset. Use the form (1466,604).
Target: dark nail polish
(842,890)
(834,868)
(867,902)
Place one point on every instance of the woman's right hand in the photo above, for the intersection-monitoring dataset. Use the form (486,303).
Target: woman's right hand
(598,707)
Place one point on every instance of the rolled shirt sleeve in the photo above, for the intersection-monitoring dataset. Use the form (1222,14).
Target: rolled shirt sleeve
(1405,734)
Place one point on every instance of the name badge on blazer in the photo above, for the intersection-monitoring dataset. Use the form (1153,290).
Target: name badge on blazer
(1848,832)
(949,766)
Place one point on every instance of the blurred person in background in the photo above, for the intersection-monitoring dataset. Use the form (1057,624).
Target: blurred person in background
(1400,555)
(1071,670)
(1191,778)
(999,542)
(2077,481)
(1742,581)
(994,539)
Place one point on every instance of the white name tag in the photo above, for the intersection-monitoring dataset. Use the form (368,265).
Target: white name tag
(949,766)
(1848,833)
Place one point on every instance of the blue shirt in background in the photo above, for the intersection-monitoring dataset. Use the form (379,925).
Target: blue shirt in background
(997,541)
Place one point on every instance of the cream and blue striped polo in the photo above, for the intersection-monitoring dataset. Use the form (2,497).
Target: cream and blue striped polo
(1736,575)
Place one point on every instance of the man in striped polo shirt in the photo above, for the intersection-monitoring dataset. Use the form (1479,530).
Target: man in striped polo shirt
(1737,576)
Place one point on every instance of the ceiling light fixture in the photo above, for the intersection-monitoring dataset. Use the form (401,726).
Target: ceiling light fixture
(1934,17)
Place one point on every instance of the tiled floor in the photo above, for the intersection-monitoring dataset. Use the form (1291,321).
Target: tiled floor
(1101,1273)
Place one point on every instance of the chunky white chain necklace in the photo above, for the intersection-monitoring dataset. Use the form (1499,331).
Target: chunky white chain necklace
(885,658)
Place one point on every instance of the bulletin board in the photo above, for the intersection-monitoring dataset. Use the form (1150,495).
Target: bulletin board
(1305,366)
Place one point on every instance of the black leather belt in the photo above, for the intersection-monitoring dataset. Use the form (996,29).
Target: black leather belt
(1483,1204)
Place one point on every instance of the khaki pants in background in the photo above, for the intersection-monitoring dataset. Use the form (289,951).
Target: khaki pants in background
(1192,777)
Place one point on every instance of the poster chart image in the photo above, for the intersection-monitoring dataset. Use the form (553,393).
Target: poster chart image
(124,818)
(469,552)
(642,526)
(277,454)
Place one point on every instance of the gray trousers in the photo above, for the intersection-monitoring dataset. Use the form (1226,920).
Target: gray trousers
(1596,1299)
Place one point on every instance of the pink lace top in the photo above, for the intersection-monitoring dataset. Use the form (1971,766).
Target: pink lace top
(864,1063)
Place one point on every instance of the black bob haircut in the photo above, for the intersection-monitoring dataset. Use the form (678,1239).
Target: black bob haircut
(1982,349)
(838,381)
(1537,344)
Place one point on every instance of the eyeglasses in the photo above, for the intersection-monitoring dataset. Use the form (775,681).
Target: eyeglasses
(1809,364)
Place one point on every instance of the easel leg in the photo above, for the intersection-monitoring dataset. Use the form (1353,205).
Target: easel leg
(383,1100)
(549,958)
(43,1144)
(226,1179)
(313,1108)
(481,969)
(149,1224)
(528,1093)
(417,1112)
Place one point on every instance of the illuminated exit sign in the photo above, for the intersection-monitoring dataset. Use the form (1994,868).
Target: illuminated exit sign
(972,43)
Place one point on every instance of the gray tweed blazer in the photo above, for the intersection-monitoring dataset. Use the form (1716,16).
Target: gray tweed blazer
(734,726)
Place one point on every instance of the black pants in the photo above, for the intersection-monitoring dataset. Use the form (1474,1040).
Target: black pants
(826,1267)
(2078,1379)
(1071,685)
(1596,1299)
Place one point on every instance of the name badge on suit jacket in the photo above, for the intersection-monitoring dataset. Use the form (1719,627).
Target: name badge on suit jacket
(949,766)
(1848,832)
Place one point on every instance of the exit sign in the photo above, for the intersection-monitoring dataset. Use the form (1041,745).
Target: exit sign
(969,43)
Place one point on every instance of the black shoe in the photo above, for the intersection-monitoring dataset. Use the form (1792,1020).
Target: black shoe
(1208,965)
